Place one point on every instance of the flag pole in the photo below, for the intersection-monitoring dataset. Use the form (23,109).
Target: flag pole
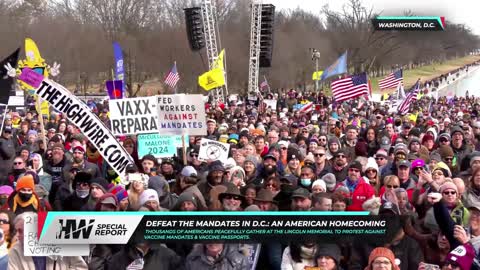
(269,90)
(4,116)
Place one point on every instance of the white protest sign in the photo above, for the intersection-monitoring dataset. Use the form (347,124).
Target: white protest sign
(181,115)
(81,116)
(133,115)
(213,150)
(272,103)
(31,247)
(16,101)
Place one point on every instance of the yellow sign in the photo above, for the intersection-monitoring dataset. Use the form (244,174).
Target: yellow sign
(317,75)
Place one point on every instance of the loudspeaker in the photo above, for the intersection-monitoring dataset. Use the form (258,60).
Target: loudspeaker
(193,21)
(266,35)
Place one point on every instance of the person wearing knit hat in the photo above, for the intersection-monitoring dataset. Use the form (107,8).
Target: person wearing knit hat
(24,199)
(444,139)
(328,256)
(187,201)
(447,154)
(475,160)
(330,181)
(448,186)
(5,192)
(461,258)
(98,187)
(107,203)
(319,186)
(359,189)
(149,198)
(382,258)
(414,145)
(122,196)
(441,166)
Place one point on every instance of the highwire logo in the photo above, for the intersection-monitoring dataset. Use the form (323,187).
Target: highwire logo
(73,228)
(409,23)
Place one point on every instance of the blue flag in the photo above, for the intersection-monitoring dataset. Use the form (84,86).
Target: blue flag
(119,70)
(338,67)
(114,89)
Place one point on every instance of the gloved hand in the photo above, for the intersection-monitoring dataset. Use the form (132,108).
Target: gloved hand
(55,70)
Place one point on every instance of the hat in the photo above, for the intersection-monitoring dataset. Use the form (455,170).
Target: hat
(32,132)
(400,148)
(330,180)
(77,137)
(475,157)
(187,197)
(82,177)
(292,156)
(418,163)
(321,183)
(404,163)
(463,256)
(427,137)
(339,152)
(59,145)
(283,144)
(330,250)
(267,156)
(382,252)
(100,183)
(290,178)
(385,143)
(301,193)
(265,195)
(131,168)
(446,136)
(355,165)
(6,190)
(79,148)
(252,207)
(444,168)
(188,171)
(448,185)
(148,195)
(25,181)
(412,140)
(211,121)
(389,206)
(343,191)
(52,130)
(381,153)
(456,129)
(294,125)
(252,159)
(435,156)
(109,200)
(7,129)
(231,190)
(119,192)
(216,166)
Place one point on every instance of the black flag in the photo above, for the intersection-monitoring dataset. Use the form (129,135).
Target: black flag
(7,83)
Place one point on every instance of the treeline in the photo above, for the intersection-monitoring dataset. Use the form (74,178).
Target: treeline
(79,35)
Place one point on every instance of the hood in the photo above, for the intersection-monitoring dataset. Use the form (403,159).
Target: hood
(371,163)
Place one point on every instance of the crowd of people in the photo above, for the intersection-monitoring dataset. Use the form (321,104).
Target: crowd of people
(355,156)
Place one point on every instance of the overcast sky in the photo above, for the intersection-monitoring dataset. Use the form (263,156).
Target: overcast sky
(458,11)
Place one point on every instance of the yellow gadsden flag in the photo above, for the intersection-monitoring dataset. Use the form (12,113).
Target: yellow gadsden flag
(213,78)
(317,75)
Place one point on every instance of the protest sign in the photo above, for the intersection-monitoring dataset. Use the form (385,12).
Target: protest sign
(31,247)
(16,101)
(181,115)
(159,145)
(133,115)
(88,123)
(272,103)
(213,150)
(252,252)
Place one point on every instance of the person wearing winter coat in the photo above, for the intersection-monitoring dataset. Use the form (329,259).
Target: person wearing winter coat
(360,190)
(24,198)
(299,256)
(216,256)
(7,153)
(18,261)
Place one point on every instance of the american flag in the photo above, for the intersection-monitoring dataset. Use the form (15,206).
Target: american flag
(404,107)
(172,77)
(391,80)
(308,107)
(350,87)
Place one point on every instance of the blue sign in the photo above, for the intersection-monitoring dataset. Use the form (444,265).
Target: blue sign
(159,146)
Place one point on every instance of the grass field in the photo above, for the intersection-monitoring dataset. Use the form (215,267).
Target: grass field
(428,72)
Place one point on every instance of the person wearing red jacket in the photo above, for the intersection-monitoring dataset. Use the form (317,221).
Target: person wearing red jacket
(360,190)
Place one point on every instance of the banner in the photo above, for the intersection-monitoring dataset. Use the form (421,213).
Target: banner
(31,247)
(133,116)
(114,89)
(159,145)
(82,117)
(317,75)
(181,115)
(338,67)
(215,77)
(119,69)
(213,150)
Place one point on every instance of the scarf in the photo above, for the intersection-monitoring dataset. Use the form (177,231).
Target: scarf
(17,201)
(351,185)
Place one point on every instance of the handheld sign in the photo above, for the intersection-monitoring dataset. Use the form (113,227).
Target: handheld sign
(213,150)
(181,115)
(82,117)
(159,145)
(133,115)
